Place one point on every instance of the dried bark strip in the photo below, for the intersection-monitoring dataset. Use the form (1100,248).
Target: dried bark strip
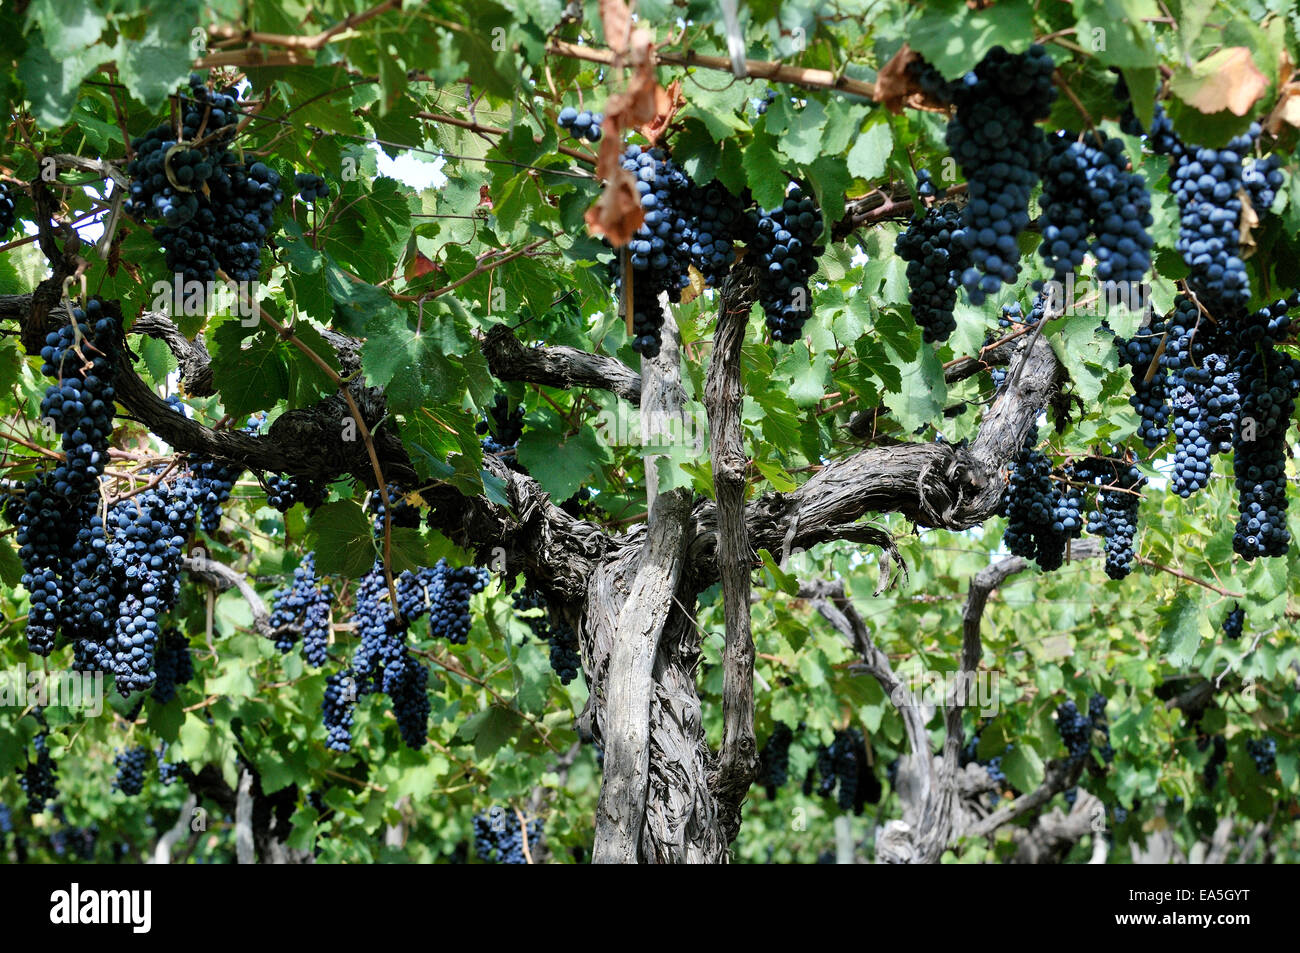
(738,761)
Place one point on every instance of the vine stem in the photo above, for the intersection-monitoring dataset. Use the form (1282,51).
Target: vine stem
(313,42)
(494,131)
(482,269)
(757,69)
(287,335)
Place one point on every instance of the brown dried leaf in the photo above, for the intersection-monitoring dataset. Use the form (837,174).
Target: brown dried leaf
(1249,219)
(616,15)
(1287,110)
(1229,79)
(666,107)
(695,288)
(640,103)
(894,84)
(617,214)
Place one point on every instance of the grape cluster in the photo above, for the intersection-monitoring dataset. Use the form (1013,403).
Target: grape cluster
(39,779)
(1149,398)
(1269,384)
(81,358)
(1000,150)
(566,661)
(1207,184)
(1263,751)
(1097,715)
(969,754)
(499,837)
(1092,203)
(337,709)
(1233,622)
(934,262)
(405,514)
(215,207)
(1193,454)
(688,225)
(1263,179)
(769,97)
(774,759)
(381,636)
(1271,322)
(406,683)
(171,772)
(6,209)
(303,606)
(997,374)
(1119,500)
(785,240)
(130,770)
(283,492)
(145,536)
(581,125)
(1042,516)
(6,820)
(173,664)
(720,222)
(215,480)
(311,187)
(1075,729)
(844,772)
(442,591)
(660,250)
(383,661)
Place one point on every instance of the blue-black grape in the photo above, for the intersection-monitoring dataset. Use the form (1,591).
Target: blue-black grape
(660,250)
(1000,150)
(303,607)
(566,661)
(310,186)
(174,666)
(581,125)
(1263,751)
(39,778)
(499,837)
(785,240)
(1268,386)
(934,262)
(130,770)
(774,759)
(1119,499)
(1233,622)
(1150,398)
(6,209)
(215,480)
(337,710)
(1092,204)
